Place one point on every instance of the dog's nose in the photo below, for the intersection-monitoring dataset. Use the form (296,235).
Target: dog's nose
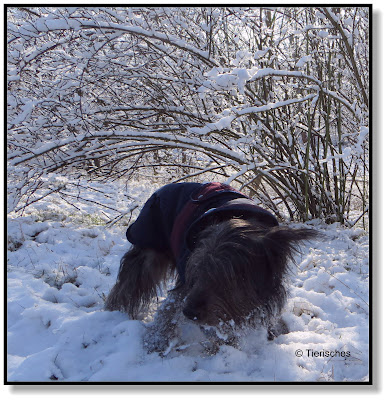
(191,314)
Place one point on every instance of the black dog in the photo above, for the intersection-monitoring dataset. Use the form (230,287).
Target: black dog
(229,257)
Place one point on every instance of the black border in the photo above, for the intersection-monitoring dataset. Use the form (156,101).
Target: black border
(69,384)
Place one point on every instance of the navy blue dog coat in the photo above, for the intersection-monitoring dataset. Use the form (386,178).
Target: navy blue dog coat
(173,215)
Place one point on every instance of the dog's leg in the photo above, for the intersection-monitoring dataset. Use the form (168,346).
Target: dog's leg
(162,332)
(141,272)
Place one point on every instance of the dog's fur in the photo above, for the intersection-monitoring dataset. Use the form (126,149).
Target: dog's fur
(234,277)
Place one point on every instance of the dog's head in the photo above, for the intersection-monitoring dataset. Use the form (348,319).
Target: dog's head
(237,268)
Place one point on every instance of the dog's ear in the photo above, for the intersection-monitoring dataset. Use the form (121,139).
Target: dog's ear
(141,272)
(282,243)
(285,236)
(276,247)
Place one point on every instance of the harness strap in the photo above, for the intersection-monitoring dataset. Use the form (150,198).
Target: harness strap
(185,217)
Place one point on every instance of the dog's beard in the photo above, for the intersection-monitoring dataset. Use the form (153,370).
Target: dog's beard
(218,306)
(172,333)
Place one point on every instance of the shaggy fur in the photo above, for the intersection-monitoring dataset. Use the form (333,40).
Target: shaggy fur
(234,276)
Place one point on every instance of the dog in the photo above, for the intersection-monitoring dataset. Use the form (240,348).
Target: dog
(228,256)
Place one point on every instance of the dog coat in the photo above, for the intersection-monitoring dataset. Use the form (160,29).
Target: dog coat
(174,213)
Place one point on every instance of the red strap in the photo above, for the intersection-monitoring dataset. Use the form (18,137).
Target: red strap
(212,189)
(180,225)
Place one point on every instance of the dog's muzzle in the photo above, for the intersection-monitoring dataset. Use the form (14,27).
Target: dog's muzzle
(196,305)
(192,314)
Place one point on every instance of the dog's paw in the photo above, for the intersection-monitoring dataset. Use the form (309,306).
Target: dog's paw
(276,329)
(155,341)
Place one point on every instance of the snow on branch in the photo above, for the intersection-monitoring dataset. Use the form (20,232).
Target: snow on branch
(42,25)
(225,121)
(298,74)
(143,137)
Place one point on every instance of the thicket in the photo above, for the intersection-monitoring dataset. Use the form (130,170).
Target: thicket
(274,101)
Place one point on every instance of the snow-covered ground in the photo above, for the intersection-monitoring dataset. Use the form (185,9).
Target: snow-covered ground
(62,261)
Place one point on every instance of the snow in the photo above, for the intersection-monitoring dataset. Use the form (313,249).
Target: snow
(271,106)
(63,261)
(363,133)
(153,34)
(303,60)
(261,73)
(323,34)
(346,153)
